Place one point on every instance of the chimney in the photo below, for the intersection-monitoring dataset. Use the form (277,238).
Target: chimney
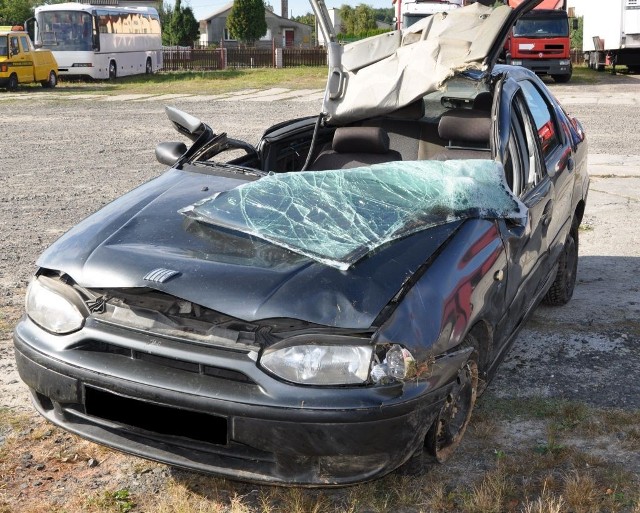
(284,8)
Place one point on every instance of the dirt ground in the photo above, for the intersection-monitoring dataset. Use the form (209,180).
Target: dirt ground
(63,159)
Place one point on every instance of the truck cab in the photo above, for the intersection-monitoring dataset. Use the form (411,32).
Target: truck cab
(540,40)
(21,63)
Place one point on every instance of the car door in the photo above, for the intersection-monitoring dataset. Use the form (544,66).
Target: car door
(526,245)
(558,161)
(21,61)
(27,52)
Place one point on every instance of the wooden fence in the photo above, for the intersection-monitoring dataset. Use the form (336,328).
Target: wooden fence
(204,59)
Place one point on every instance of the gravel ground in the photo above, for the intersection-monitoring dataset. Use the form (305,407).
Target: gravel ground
(64,159)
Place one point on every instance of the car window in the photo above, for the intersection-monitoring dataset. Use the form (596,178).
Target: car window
(15,47)
(545,122)
(523,162)
(25,43)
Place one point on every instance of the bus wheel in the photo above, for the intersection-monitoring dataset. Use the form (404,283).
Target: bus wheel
(113,70)
(149,68)
(13,82)
(51,82)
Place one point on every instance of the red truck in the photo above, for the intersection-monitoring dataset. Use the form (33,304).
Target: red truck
(540,40)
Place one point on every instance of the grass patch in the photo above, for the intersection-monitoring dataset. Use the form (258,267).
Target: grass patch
(203,82)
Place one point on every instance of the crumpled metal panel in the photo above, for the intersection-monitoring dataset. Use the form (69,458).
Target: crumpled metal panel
(337,217)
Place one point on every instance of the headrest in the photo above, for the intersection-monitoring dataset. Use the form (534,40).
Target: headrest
(483,101)
(360,139)
(465,125)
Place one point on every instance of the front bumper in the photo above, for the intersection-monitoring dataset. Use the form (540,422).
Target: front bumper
(254,431)
(544,66)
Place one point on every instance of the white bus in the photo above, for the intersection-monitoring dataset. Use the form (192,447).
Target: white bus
(100,41)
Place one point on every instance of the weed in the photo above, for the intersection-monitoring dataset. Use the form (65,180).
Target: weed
(119,500)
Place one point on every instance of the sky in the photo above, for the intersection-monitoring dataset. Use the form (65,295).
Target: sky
(202,8)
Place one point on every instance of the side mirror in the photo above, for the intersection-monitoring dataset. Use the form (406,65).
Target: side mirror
(185,123)
(575,25)
(168,153)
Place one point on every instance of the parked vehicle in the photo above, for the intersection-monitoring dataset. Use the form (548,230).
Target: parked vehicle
(327,306)
(540,40)
(611,34)
(410,11)
(21,63)
(100,41)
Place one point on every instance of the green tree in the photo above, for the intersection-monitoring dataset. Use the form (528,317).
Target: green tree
(308,19)
(180,26)
(16,12)
(357,21)
(246,21)
(576,33)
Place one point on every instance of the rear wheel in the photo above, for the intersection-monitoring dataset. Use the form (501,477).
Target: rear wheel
(12,85)
(562,289)
(113,70)
(51,81)
(149,67)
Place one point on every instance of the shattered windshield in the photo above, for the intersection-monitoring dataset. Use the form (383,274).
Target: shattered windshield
(337,217)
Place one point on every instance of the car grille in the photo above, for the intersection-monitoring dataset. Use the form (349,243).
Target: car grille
(163,361)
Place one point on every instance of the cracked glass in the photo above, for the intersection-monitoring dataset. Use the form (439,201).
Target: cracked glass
(337,217)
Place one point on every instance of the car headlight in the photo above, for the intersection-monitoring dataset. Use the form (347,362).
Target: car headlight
(565,63)
(48,305)
(319,363)
(398,365)
(516,62)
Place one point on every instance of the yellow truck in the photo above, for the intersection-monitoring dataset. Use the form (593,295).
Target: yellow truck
(21,63)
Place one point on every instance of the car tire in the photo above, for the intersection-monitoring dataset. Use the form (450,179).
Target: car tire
(447,431)
(113,70)
(561,79)
(562,288)
(12,85)
(148,67)
(51,81)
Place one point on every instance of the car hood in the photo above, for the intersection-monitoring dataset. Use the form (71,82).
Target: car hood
(141,241)
(384,73)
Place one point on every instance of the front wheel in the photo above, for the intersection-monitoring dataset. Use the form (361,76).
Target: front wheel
(13,82)
(149,67)
(447,431)
(51,81)
(113,70)
(561,79)
(562,288)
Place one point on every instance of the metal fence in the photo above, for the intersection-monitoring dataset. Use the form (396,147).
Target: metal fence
(250,58)
(192,59)
(292,57)
(209,58)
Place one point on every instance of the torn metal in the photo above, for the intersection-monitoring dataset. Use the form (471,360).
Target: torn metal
(381,74)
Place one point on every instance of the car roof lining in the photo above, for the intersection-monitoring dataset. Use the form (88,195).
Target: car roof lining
(384,73)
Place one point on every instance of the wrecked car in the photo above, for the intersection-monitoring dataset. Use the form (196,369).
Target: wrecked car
(324,307)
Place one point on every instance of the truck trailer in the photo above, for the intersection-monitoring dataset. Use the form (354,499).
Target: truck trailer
(540,40)
(611,33)
(410,11)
